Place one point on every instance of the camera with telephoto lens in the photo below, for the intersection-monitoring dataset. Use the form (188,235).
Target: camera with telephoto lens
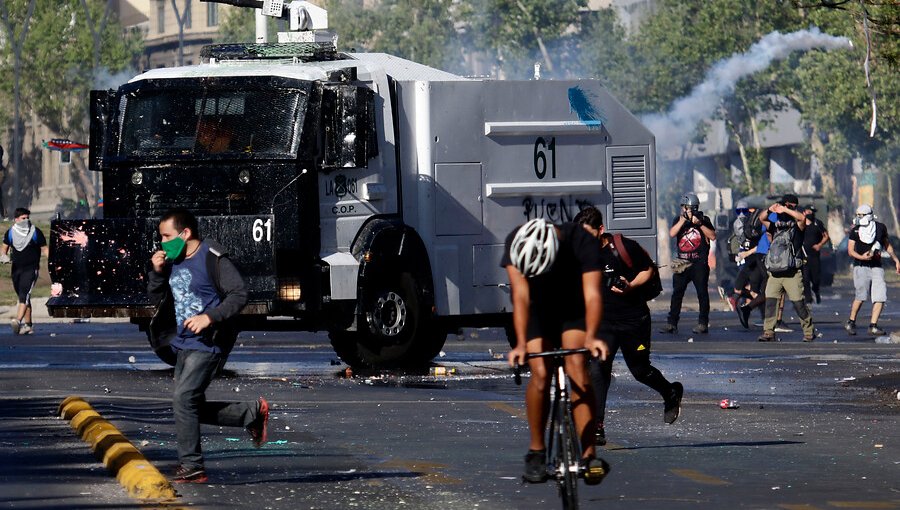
(693,211)
(613,281)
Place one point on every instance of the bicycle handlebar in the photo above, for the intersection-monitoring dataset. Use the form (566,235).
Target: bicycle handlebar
(558,353)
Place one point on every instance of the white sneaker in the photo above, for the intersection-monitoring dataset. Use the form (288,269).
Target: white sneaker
(16,326)
(26,330)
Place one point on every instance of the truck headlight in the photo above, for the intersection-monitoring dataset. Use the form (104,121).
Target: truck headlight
(289,289)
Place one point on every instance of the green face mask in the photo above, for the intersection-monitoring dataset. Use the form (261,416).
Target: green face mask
(174,247)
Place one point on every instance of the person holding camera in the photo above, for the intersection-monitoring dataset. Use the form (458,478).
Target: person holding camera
(692,232)
(868,240)
(626,320)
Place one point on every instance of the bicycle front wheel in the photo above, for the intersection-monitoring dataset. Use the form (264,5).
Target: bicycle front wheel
(568,461)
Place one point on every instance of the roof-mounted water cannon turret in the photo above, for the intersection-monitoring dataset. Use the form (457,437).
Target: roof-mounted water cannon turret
(307,22)
(308,38)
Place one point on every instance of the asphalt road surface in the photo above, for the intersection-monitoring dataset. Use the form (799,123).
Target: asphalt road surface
(818,425)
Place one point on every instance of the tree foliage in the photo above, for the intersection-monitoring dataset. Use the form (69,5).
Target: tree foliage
(58,71)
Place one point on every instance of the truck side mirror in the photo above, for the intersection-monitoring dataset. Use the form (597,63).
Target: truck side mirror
(348,112)
(102,110)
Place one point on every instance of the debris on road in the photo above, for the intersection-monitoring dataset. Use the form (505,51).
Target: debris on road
(729,404)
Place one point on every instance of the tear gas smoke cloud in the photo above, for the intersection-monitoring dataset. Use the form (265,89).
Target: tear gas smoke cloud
(677,127)
(104,79)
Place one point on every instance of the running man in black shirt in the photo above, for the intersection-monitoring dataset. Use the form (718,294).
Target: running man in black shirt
(28,244)
(554,275)
(626,321)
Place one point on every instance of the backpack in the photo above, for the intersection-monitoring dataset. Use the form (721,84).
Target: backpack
(753,230)
(653,286)
(736,240)
(782,256)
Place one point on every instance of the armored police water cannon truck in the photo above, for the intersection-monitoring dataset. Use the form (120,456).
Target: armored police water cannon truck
(358,193)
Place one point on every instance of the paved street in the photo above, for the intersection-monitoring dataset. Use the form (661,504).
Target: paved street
(818,424)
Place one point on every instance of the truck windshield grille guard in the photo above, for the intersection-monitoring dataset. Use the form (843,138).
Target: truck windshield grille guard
(201,203)
(212,118)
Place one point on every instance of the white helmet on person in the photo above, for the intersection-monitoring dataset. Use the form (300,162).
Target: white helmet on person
(534,247)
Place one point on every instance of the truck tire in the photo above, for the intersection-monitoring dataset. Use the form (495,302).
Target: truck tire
(395,328)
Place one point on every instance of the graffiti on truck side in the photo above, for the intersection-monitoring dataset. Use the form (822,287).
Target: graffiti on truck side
(555,210)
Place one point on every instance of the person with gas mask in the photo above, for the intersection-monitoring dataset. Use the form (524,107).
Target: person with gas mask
(28,244)
(198,290)
(692,232)
(784,260)
(866,246)
(815,236)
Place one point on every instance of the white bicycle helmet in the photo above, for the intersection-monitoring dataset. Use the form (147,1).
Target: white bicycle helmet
(533,249)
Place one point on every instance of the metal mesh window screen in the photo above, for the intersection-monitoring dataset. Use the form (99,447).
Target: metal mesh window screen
(629,187)
(211,121)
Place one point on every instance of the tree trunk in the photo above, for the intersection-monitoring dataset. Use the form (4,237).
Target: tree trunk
(829,187)
(84,186)
(537,35)
(17,44)
(181,18)
(891,204)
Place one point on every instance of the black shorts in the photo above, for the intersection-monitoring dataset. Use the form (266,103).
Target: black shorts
(23,281)
(551,326)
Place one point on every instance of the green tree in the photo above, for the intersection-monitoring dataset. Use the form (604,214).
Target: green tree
(512,33)
(16,18)
(605,54)
(832,93)
(60,62)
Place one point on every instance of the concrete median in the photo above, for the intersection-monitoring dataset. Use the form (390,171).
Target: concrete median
(140,478)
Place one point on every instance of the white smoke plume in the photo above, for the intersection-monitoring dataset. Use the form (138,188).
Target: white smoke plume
(104,79)
(678,125)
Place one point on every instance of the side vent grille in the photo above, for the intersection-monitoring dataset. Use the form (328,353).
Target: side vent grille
(629,187)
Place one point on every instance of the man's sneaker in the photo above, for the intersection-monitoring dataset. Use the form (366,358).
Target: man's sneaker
(732,302)
(600,435)
(535,466)
(876,331)
(701,328)
(743,313)
(767,336)
(669,328)
(16,326)
(186,474)
(781,327)
(673,403)
(258,429)
(25,329)
(850,326)
(594,470)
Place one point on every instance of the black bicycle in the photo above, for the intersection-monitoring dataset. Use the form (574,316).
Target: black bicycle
(563,443)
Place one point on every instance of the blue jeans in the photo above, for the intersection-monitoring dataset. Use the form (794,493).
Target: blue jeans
(194,371)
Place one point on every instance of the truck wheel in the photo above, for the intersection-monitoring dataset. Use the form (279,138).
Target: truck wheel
(395,328)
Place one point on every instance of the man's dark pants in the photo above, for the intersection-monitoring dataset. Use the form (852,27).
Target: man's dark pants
(698,274)
(633,337)
(194,372)
(812,274)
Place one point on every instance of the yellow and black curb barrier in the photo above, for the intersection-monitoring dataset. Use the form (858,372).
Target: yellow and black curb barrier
(140,478)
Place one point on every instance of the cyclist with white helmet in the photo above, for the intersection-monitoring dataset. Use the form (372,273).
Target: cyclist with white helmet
(555,275)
